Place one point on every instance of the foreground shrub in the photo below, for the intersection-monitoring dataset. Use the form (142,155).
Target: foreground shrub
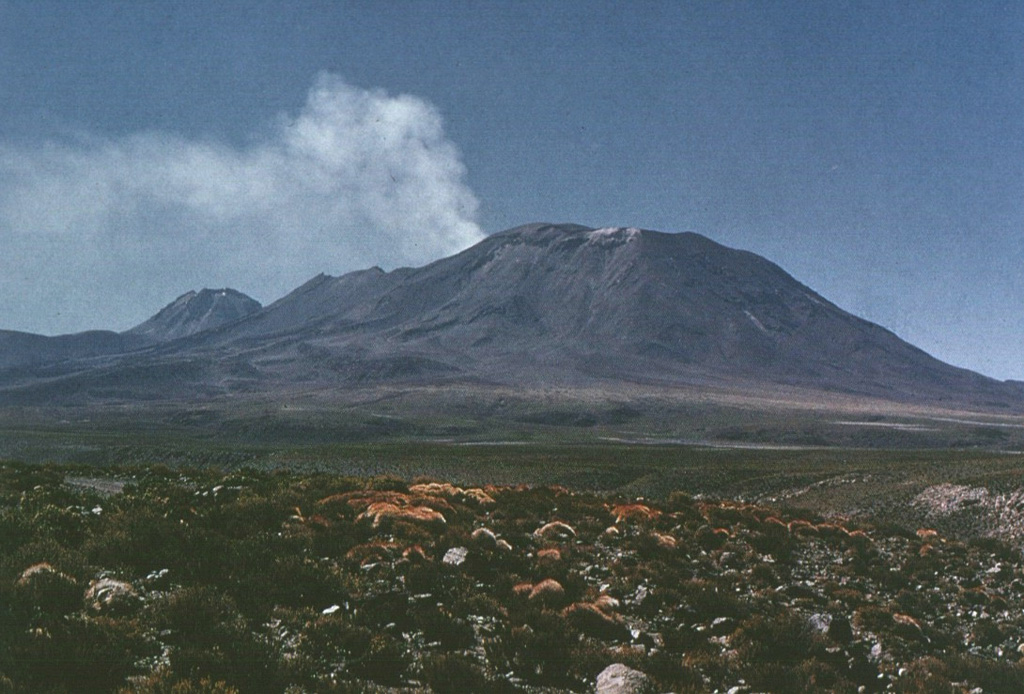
(80,655)
(212,640)
(332,644)
(269,583)
(163,682)
(453,673)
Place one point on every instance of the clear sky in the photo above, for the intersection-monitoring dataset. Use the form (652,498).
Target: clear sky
(875,150)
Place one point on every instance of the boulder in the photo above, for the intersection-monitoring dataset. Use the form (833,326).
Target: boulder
(621,679)
(455,556)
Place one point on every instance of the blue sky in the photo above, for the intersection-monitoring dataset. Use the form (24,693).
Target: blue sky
(875,150)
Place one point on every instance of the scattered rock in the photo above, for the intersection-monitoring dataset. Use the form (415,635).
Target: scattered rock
(621,679)
(820,623)
(158,580)
(455,556)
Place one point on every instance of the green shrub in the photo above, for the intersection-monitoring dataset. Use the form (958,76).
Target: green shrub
(783,639)
(333,644)
(540,651)
(453,673)
(164,683)
(96,655)
(212,640)
(45,593)
(437,624)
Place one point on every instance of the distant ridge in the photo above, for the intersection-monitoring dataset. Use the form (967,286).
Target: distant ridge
(542,304)
(190,313)
(194,312)
(19,350)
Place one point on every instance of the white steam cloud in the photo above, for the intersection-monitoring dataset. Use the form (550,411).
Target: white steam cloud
(102,233)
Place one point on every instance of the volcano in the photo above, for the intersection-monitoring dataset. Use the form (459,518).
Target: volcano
(544,304)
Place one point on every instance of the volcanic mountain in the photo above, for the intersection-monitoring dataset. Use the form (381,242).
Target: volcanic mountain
(195,312)
(189,314)
(543,304)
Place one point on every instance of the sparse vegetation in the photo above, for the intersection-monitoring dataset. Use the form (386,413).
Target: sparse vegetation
(192,580)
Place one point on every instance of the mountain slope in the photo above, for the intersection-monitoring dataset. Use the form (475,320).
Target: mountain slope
(561,305)
(189,314)
(195,312)
(18,349)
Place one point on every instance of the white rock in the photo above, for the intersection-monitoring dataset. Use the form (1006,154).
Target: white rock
(455,556)
(820,622)
(620,679)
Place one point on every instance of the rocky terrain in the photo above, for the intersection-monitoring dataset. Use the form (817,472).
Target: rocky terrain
(200,581)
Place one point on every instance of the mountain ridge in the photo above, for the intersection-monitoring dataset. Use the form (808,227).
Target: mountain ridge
(540,304)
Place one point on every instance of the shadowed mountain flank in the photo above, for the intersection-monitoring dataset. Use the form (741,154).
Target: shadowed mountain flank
(20,350)
(538,305)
